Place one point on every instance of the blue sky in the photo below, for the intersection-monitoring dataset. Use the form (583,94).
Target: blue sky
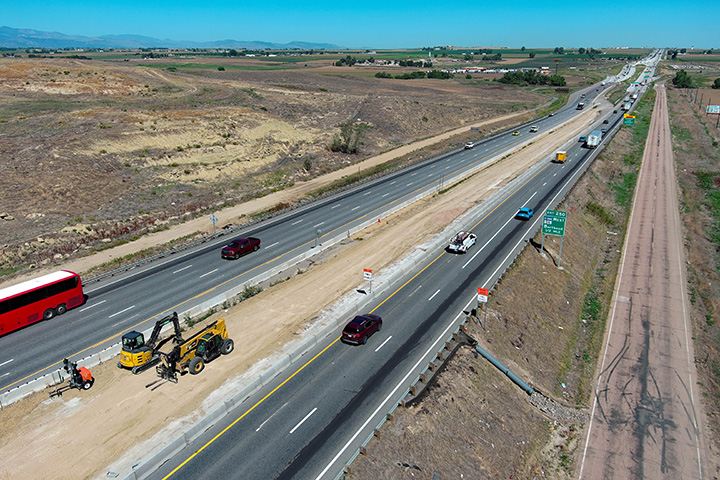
(384,24)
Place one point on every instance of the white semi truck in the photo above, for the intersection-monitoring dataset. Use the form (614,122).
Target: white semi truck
(594,139)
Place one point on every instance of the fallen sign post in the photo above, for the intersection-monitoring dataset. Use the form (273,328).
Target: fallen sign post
(553,224)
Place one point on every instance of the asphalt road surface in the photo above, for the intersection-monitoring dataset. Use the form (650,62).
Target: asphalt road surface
(134,300)
(309,422)
(646,417)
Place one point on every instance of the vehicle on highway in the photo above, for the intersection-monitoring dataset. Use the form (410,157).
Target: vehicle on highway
(615,111)
(461,242)
(580,106)
(524,213)
(560,156)
(594,139)
(582,138)
(469,145)
(533,129)
(551,115)
(240,246)
(606,121)
(516,133)
(39,299)
(582,96)
(360,328)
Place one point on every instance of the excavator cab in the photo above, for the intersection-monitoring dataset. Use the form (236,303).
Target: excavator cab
(138,355)
(133,341)
(134,352)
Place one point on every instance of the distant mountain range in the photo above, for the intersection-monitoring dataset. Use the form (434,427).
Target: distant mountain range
(26,38)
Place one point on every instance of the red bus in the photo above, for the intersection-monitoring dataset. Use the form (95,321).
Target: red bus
(38,299)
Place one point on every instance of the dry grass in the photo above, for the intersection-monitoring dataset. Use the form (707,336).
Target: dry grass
(475,422)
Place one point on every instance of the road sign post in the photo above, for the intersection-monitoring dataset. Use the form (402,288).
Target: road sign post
(367,275)
(553,224)
(482,297)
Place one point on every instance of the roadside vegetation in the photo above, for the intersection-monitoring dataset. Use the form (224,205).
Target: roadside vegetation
(695,145)
(547,325)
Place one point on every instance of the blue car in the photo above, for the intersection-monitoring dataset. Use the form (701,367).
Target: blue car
(524,213)
(582,139)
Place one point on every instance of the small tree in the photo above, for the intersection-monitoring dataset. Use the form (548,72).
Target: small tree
(716,84)
(350,137)
(682,80)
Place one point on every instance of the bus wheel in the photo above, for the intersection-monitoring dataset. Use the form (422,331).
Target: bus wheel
(62,308)
(48,314)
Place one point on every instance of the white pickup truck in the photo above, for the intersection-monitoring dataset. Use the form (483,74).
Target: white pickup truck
(461,242)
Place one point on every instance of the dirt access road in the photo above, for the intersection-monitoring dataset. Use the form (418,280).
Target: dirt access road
(646,416)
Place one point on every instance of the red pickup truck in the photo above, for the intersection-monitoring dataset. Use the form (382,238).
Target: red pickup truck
(240,246)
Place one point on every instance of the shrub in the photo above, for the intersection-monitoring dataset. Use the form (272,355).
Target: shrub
(682,80)
(349,138)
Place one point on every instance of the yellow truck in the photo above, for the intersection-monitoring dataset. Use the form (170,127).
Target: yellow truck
(560,156)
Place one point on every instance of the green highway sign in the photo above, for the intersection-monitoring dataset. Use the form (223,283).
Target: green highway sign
(629,121)
(554,223)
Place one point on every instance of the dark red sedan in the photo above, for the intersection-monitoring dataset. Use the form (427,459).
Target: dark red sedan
(360,328)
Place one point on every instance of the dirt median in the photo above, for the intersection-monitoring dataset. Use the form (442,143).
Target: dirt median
(40,431)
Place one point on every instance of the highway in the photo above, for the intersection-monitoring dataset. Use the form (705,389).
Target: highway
(135,299)
(311,420)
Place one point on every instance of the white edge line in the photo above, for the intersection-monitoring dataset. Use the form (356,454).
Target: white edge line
(488,242)
(391,394)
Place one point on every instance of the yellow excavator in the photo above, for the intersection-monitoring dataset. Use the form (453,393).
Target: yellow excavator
(138,355)
(192,354)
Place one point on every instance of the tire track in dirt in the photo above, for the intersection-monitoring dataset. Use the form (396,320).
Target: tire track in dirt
(646,422)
